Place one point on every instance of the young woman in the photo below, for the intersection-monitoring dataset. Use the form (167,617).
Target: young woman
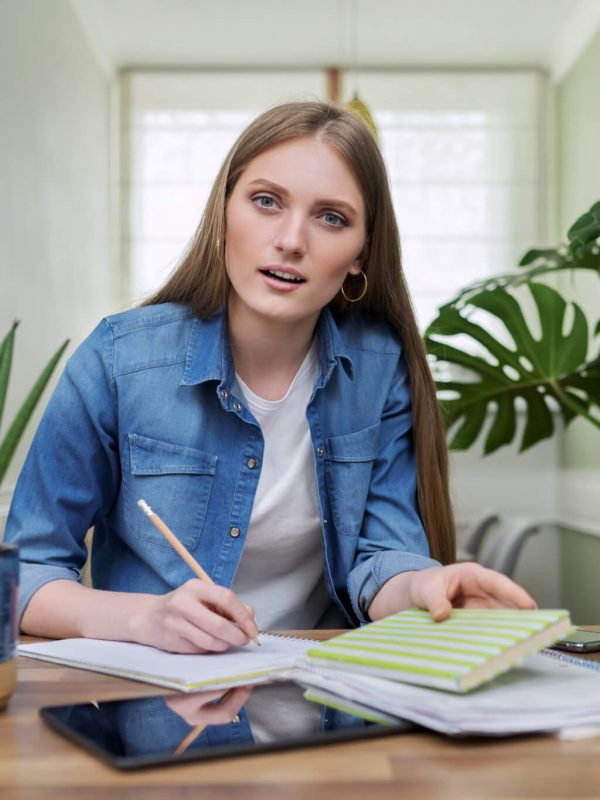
(272,403)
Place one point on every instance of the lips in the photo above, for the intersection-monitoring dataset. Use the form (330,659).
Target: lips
(284,275)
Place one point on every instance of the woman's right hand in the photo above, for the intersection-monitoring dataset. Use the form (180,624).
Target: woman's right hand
(209,708)
(197,617)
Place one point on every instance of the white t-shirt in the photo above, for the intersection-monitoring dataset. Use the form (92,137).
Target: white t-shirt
(281,569)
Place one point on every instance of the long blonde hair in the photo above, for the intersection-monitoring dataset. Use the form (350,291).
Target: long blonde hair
(200,281)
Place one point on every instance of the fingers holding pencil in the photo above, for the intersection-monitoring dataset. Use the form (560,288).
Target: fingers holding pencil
(197,617)
(207,708)
(200,614)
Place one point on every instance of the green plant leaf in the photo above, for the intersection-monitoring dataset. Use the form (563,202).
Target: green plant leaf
(550,256)
(535,372)
(583,235)
(14,433)
(6,352)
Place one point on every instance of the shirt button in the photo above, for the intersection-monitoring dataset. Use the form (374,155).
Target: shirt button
(236,720)
(224,394)
(235,532)
(251,463)
(320,452)
(237,406)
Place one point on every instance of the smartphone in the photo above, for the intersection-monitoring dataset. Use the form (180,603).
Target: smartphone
(580,642)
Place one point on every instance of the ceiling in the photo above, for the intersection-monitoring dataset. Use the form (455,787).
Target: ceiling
(546,34)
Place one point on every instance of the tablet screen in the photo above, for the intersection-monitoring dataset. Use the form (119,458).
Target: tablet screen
(173,728)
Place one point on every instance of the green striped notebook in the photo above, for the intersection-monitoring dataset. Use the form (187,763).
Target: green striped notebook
(469,648)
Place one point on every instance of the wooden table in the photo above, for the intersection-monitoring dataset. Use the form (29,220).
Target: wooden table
(36,763)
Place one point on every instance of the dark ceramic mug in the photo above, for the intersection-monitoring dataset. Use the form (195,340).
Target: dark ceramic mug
(9,582)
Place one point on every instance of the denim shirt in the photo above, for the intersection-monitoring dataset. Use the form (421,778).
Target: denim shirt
(149,407)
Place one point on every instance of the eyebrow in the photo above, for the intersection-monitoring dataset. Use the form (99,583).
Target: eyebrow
(326,201)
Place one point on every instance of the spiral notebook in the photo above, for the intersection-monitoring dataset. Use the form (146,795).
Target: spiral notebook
(469,648)
(238,666)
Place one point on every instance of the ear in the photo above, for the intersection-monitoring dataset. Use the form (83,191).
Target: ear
(357,266)
(360,261)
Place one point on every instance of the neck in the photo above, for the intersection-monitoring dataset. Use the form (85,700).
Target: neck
(267,353)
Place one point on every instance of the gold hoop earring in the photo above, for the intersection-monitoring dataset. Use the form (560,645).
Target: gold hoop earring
(361,295)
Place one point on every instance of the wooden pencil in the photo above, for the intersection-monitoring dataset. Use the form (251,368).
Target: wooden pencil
(195,732)
(179,548)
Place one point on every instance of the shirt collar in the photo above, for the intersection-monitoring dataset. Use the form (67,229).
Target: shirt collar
(209,355)
(332,347)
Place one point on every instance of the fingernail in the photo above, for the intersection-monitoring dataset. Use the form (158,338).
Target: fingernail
(440,613)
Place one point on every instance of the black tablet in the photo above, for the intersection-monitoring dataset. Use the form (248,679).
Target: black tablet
(177,728)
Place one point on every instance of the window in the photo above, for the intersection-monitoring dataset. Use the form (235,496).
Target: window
(465,153)
(176,129)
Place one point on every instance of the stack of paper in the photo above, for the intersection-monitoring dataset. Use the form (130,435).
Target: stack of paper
(543,695)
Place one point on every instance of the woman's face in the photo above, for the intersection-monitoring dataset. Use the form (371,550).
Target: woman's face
(295,228)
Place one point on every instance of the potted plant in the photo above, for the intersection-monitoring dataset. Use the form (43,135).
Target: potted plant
(513,343)
(12,437)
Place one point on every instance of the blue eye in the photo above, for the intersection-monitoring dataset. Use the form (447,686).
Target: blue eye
(264,201)
(335,220)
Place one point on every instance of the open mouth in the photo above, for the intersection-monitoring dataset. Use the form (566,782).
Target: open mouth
(284,277)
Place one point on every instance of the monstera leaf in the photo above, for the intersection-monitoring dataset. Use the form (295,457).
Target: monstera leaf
(584,237)
(535,373)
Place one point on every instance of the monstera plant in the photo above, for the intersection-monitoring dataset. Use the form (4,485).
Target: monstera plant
(513,344)
(8,444)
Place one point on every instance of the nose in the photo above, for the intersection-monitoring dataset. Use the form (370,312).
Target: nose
(290,237)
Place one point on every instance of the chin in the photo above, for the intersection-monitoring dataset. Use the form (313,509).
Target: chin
(283,310)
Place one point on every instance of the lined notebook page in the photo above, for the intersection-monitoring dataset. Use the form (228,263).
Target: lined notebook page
(240,665)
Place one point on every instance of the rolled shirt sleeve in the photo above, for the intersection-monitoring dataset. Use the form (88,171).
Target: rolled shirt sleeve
(392,538)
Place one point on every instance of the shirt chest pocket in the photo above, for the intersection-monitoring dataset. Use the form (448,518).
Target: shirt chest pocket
(348,467)
(175,481)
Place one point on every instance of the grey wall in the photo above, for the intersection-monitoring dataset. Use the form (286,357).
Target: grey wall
(54,172)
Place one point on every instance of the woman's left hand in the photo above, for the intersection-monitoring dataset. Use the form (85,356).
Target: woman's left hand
(440,589)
